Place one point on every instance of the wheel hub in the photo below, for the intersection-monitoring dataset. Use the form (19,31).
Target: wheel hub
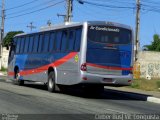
(50,83)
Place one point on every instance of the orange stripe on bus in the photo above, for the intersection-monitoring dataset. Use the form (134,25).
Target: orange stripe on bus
(44,68)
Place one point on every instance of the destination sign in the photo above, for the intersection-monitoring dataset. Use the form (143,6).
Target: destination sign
(102,28)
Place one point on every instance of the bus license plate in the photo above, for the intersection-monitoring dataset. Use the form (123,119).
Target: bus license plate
(109,80)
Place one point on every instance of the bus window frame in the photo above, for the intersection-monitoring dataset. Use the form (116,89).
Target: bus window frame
(47,51)
(30,36)
(18,41)
(21,51)
(36,37)
(41,50)
(56,43)
(54,39)
(67,36)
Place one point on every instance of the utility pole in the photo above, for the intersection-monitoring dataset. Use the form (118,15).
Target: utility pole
(69,10)
(31,26)
(2,30)
(137,41)
(49,23)
(61,15)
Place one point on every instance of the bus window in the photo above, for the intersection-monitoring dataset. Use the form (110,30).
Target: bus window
(51,42)
(109,35)
(46,42)
(64,40)
(35,47)
(22,45)
(31,44)
(78,39)
(26,44)
(40,47)
(12,51)
(58,40)
(71,40)
(18,45)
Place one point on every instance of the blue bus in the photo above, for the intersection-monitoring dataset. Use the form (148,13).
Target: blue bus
(93,54)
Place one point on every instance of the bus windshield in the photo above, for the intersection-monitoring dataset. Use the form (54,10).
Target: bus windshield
(109,35)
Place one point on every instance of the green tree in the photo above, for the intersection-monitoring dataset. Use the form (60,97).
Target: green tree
(9,37)
(155,46)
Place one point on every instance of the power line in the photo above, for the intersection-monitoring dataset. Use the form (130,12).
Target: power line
(31,8)
(21,5)
(109,6)
(117,1)
(36,10)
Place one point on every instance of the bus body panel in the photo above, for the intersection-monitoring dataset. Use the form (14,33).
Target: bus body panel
(66,73)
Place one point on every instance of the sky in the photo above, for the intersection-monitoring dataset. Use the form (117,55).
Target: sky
(121,11)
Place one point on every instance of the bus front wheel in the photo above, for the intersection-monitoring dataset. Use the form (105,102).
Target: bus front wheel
(51,82)
(17,79)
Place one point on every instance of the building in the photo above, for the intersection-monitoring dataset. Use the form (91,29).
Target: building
(5,54)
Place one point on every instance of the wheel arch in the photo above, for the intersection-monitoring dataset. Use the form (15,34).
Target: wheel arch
(16,69)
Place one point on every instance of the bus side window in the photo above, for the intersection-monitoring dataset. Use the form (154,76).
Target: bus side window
(31,44)
(64,40)
(46,42)
(40,47)
(22,45)
(58,40)
(35,46)
(78,39)
(26,44)
(71,40)
(52,42)
(12,51)
(18,45)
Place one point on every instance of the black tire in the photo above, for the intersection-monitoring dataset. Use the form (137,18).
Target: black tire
(51,82)
(17,81)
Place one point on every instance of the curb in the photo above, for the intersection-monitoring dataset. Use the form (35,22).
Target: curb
(3,74)
(136,96)
(153,99)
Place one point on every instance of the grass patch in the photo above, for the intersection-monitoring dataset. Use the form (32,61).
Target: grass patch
(148,85)
(158,83)
(3,69)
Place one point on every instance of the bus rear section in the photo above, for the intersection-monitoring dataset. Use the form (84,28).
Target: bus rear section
(109,55)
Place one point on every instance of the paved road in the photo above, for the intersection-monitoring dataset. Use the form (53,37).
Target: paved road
(35,99)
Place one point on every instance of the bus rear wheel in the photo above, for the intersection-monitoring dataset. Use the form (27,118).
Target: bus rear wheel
(51,82)
(17,80)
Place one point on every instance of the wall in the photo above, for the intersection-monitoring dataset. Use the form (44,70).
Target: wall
(5,54)
(149,64)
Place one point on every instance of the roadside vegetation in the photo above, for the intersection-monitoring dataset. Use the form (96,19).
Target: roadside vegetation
(148,85)
(155,45)
(9,37)
(3,69)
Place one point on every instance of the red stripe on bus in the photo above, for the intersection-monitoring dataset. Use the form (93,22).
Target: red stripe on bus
(108,67)
(10,73)
(44,68)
